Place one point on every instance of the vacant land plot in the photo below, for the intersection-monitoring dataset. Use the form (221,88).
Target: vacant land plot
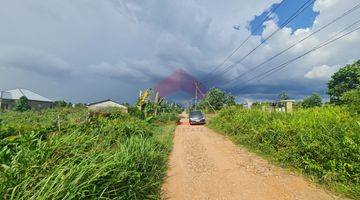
(60,154)
(323,143)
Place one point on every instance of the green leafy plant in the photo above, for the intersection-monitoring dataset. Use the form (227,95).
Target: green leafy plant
(315,100)
(217,98)
(323,143)
(110,156)
(22,104)
(283,96)
(346,79)
(351,100)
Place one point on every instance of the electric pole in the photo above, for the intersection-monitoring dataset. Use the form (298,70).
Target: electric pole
(196,96)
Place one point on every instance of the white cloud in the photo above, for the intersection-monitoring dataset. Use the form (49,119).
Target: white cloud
(323,72)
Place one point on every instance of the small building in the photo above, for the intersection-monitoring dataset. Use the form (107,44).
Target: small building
(280,106)
(248,104)
(288,105)
(105,104)
(36,101)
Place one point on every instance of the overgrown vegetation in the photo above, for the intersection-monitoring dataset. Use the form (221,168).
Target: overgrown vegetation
(351,100)
(66,154)
(215,99)
(148,109)
(323,143)
(315,100)
(22,104)
(320,141)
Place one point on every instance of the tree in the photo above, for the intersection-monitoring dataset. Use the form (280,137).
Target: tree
(61,104)
(351,99)
(22,104)
(283,96)
(217,99)
(79,105)
(315,100)
(346,79)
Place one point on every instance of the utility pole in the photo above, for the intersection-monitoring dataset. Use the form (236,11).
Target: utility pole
(156,101)
(196,92)
(198,89)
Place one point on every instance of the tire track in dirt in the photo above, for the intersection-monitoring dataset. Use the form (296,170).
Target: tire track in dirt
(206,165)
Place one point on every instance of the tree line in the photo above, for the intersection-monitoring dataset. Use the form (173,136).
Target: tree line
(343,89)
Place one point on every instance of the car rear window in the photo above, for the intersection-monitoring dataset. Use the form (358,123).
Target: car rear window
(196,113)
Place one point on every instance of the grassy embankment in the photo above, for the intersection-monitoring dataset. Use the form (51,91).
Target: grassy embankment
(110,157)
(323,143)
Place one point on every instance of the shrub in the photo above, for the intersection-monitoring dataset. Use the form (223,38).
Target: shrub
(61,104)
(167,117)
(312,101)
(111,156)
(217,99)
(351,100)
(22,104)
(321,142)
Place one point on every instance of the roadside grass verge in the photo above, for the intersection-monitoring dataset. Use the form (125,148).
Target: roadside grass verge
(322,143)
(113,157)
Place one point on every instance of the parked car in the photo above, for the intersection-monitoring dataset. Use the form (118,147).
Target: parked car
(196,117)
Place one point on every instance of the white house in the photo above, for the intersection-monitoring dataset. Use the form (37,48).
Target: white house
(105,104)
(36,101)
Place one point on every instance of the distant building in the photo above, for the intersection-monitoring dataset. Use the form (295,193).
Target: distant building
(280,106)
(105,104)
(36,101)
(248,103)
(288,105)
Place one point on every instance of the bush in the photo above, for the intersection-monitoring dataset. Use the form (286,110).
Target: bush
(217,99)
(61,104)
(323,143)
(111,112)
(111,156)
(167,117)
(351,100)
(314,100)
(22,104)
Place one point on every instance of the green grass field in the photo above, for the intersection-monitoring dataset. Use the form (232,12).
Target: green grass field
(323,143)
(108,157)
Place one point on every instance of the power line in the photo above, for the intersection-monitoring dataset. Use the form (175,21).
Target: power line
(282,67)
(321,45)
(292,46)
(247,38)
(290,19)
(197,87)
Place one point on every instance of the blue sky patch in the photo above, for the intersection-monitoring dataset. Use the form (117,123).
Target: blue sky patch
(304,20)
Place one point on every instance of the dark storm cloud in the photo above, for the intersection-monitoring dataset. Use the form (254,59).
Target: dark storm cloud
(33,60)
(92,50)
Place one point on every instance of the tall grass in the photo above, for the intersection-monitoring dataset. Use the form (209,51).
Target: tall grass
(110,157)
(323,143)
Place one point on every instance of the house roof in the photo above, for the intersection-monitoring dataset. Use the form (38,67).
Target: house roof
(289,100)
(90,104)
(17,93)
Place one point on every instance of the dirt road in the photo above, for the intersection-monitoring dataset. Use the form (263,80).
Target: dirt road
(205,165)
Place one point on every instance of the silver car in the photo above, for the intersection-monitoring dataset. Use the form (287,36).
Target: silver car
(196,117)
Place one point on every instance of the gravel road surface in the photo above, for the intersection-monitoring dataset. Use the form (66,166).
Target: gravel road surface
(206,165)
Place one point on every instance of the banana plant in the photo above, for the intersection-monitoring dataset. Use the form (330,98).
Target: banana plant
(143,101)
(158,101)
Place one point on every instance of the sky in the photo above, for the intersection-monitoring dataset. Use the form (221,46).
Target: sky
(91,50)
